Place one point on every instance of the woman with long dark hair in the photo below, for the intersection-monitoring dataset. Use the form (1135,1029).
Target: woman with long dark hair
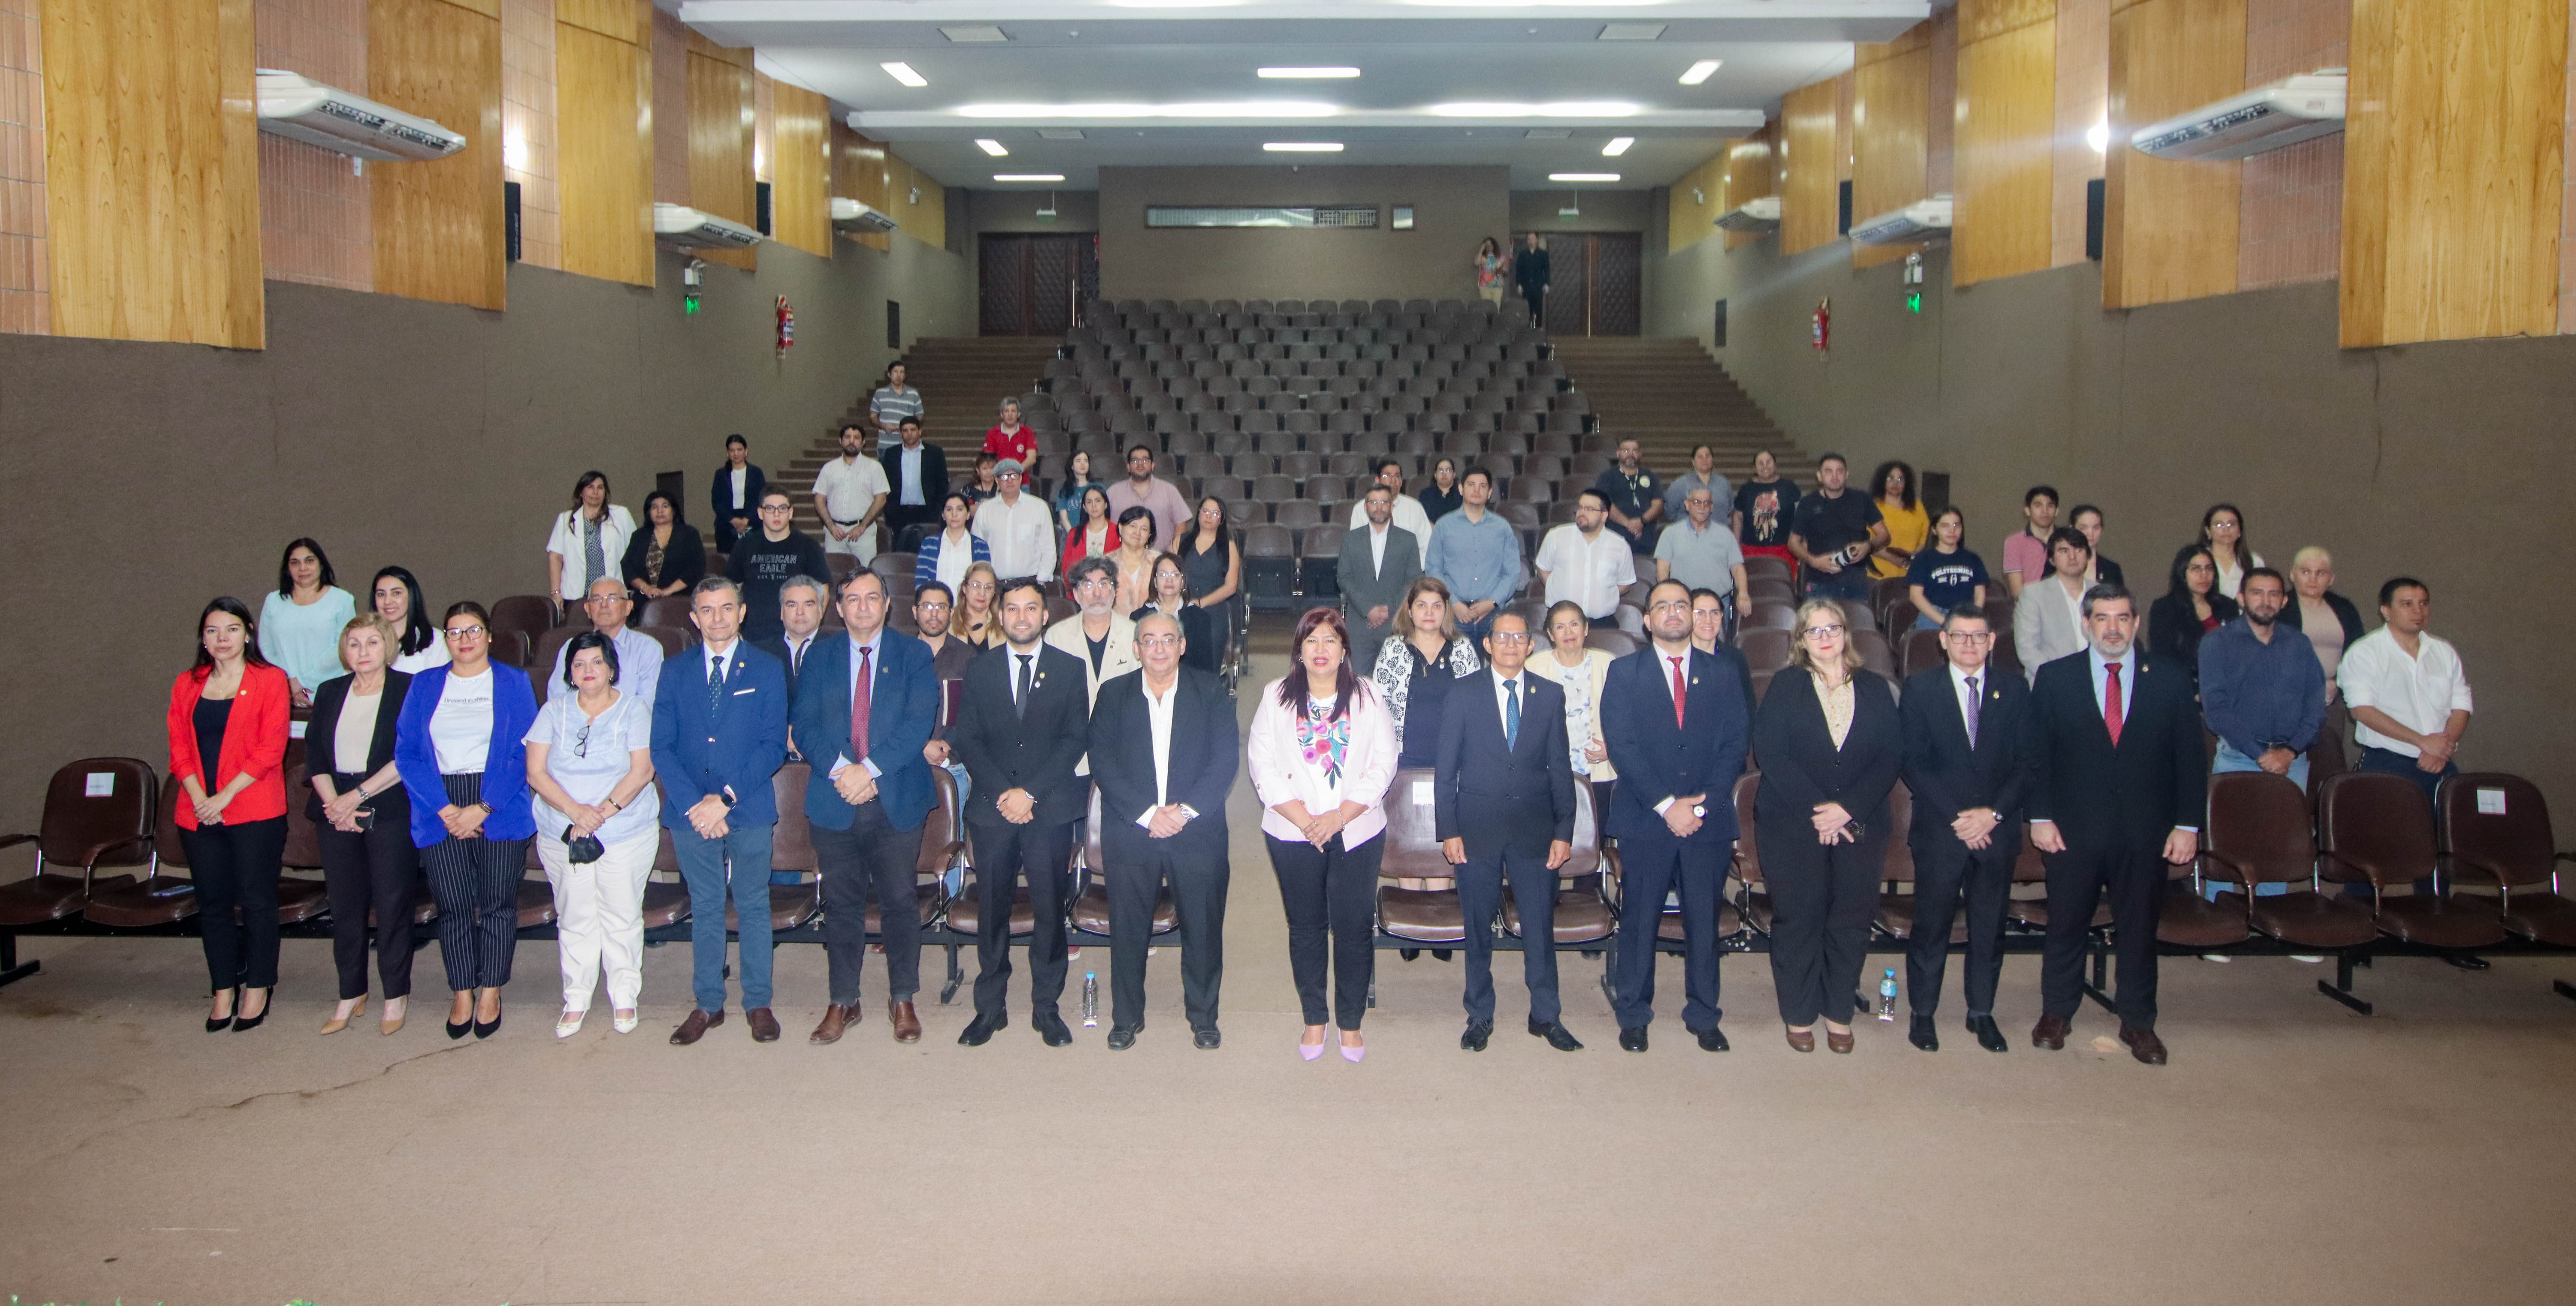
(589,539)
(1322,753)
(227,727)
(667,556)
(1214,562)
(300,621)
(1892,487)
(2191,607)
(1092,534)
(1441,497)
(2222,532)
(417,646)
(1416,669)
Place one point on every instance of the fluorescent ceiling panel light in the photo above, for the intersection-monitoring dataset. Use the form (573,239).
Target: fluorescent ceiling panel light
(1631,32)
(990,146)
(1548,133)
(1059,133)
(1618,145)
(1308,73)
(1028,176)
(1699,72)
(1583,176)
(1174,4)
(1555,109)
(902,72)
(1534,4)
(1201,109)
(973,35)
(1303,147)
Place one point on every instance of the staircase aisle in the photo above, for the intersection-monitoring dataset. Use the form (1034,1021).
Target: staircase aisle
(962,380)
(1670,395)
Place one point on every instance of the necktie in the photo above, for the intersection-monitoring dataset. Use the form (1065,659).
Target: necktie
(2111,700)
(860,692)
(1679,693)
(715,687)
(1021,699)
(1976,707)
(1512,713)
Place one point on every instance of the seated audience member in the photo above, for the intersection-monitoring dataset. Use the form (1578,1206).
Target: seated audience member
(2088,519)
(1100,635)
(1143,489)
(762,561)
(418,645)
(1078,481)
(1834,531)
(1703,475)
(2222,532)
(2026,555)
(2328,619)
(1584,564)
(666,557)
(932,607)
(1632,496)
(946,553)
(2048,622)
(1171,597)
(1405,512)
(978,618)
(227,732)
(1442,496)
(1379,559)
(1010,442)
(987,482)
(1416,670)
(1135,558)
(2408,693)
(1017,527)
(590,763)
(362,821)
(1946,575)
(916,476)
(589,540)
(1891,487)
(300,622)
(1213,559)
(1477,556)
(735,491)
(1580,672)
(850,496)
(2190,609)
(1763,510)
(1699,552)
(639,656)
(1093,535)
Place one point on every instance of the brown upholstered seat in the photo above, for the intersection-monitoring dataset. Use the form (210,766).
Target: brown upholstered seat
(1895,916)
(76,829)
(2259,832)
(791,848)
(2188,920)
(1427,915)
(2031,867)
(666,902)
(966,910)
(1089,910)
(938,846)
(1422,915)
(2378,827)
(2513,849)
(157,899)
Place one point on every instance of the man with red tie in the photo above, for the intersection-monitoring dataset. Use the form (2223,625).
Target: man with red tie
(2122,781)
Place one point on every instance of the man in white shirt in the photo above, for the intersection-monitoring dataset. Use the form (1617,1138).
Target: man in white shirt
(2408,693)
(1585,564)
(1406,509)
(849,495)
(2048,622)
(639,656)
(1016,527)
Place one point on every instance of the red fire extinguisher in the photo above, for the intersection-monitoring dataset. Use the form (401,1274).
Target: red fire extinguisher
(1820,331)
(786,327)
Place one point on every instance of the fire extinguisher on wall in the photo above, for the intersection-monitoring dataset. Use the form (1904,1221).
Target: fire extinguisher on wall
(786,327)
(1820,330)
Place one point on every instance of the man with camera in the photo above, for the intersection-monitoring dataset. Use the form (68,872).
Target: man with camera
(1833,532)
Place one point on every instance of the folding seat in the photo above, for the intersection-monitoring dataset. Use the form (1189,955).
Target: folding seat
(1310,419)
(1259,421)
(1221,385)
(1297,466)
(1282,402)
(1895,917)
(1875,653)
(1269,566)
(1500,466)
(2495,830)
(1275,443)
(99,811)
(1920,650)
(1087,907)
(1530,489)
(1372,445)
(1243,369)
(2260,832)
(1226,306)
(1418,444)
(1183,442)
(1561,509)
(1307,353)
(1273,488)
(1228,355)
(1325,487)
(1352,466)
(2378,827)
(1200,466)
(1243,514)
(1258,386)
(1297,514)
(1549,468)
(1224,487)
(1782,617)
(1428,916)
(1251,466)
(1589,465)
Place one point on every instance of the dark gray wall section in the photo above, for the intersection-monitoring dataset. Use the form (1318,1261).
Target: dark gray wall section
(1453,209)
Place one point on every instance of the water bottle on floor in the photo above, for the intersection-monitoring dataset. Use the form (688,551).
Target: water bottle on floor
(1091,999)
(1887,995)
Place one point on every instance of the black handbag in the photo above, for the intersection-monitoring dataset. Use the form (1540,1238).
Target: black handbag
(584,850)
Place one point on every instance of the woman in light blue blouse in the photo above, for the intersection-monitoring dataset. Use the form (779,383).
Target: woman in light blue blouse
(590,763)
(299,623)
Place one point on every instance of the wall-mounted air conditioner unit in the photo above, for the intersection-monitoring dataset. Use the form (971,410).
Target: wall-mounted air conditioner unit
(1753,215)
(2286,112)
(300,108)
(851,215)
(678,224)
(1919,221)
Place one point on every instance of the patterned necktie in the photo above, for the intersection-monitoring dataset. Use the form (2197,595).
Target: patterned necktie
(2111,700)
(1512,714)
(715,687)
(1022,699)
(1976,707)
(860,692)
(1679,693)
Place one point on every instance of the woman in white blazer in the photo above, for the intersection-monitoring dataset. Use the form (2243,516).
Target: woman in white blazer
(589,540)
(1322,753)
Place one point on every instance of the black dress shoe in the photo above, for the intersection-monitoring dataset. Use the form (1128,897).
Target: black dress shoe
(1921,1034)
(1989,1036)
(1051,1028)
(1478,1032)
(1556,1034)
(1633,1038)
(1712,1039)
(456,1030)
(1121,1038)
(979,1031)
(1207,1039)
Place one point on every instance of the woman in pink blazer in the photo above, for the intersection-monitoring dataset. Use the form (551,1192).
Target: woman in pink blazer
(1322,754)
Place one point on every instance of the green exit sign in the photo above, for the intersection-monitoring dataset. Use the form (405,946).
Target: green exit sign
(1914,301)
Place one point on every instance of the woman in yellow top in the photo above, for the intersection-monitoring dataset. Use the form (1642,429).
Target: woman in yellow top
(1892,485)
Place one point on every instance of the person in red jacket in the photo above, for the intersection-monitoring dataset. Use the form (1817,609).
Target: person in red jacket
(1008,439)
(228,757)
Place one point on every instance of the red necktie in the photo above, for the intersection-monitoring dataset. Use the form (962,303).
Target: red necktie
(2111,700)
(1679,693)
(859,710)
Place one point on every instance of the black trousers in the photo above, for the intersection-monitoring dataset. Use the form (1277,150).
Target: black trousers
(870,854)
(476,883)
(1005,854)
(2134,879)
(1651,864)
(235,866)
(1823,897)
(1480,897)
(1331,897)
(375,869)
(1536,296)
(1199,874)
(1949,875)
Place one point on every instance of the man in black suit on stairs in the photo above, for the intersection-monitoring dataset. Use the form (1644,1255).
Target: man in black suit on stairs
(1503,807)
(2121,780)
(1963,762)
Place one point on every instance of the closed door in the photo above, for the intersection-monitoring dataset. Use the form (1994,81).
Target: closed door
(1032,285)
(1594,282)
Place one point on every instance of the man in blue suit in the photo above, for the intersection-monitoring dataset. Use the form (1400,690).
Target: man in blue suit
(719,735)
(1676,721)
(865,705)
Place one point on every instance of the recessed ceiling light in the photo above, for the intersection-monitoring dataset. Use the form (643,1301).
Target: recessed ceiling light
(1618,145)
(1699,72)
(1307,72)
(1533,4)
(990,146)
(1547,133)
(1028,176)
(1580,176)
(1303,147)
(902,72)
(1059,133)
(973,35)
(1199,109)
(1631,32)
(1555,109)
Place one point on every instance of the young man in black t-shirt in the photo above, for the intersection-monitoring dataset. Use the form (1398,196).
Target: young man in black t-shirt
(1834,531)
(763,559)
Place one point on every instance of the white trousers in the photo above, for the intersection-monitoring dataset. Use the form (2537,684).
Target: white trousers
(862,546)
(599,918)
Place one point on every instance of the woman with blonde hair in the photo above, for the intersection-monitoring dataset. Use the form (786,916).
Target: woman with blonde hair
(977,617)
(362,819)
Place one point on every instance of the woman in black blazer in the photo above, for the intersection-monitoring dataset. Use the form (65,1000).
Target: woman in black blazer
(363,819)
(2191,608)
(665,556)
(1820,819)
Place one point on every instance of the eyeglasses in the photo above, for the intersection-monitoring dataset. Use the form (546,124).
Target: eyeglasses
(1970,636)
(1812,631)
(1157,641)
(1511,638)
(777,507)
(1097,583)
(465,632)
(1672,605)
(581,742)
(604,598)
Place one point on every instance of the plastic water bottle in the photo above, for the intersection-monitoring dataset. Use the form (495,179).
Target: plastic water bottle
(1091,999)
(1886,995)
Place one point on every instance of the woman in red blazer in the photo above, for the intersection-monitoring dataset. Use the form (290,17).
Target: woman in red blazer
(228,756)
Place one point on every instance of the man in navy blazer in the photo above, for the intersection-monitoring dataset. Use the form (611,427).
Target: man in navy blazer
(865,804)
(1673,810)
(1966,768)
(719,735)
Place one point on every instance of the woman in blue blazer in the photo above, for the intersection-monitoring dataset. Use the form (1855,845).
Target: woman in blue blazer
(946,553)
(460,746)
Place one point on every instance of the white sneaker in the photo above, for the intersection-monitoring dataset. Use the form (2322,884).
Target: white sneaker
(2219,957)
(569,1023)
(623,1022)
(2310,959)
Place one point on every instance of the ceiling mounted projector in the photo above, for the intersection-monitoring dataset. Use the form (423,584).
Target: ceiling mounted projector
(678,224)
(851,215)
(1752,215)
(302,109)
(1919,221)
(2286,112)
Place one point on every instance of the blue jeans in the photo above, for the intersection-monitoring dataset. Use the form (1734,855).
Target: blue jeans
(2230,760)
(703,867)
(1475,631)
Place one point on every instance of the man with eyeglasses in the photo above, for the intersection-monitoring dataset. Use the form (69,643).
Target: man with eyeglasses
(1017,527)
(1100,635)
(1143,490)
(762,560)
(639,656)
(1963,762)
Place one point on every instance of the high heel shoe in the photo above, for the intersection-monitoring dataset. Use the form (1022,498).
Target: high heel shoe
(215,1025)
(1309,1051)
(460,1028)
(482,1030)
(339,1022)
(1353,1054)
(395,1010)
(245,1024)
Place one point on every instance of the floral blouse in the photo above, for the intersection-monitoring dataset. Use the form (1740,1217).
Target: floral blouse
(1394,672)
(1323,738)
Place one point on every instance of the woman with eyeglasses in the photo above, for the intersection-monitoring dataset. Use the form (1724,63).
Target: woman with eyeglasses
(666,557)
(1441,497)
(978,618)
(1829,744)
(1171,597)
(589,539)
(417,644)
(299,622)
(458,747)
(590,761)
(227,727)
(362,819)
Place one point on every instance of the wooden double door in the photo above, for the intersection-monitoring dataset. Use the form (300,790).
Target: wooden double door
(1594,283)
(1034,284)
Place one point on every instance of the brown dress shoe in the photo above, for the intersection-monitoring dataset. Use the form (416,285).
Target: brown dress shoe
(2049,1033)
(695,1027)
(764,1026)
(2143,1044)
(1802,1040)
(1841,1042)
(836,1018)
(907,1026)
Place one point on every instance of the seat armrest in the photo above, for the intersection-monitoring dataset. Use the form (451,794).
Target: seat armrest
(2214,857)
(13,840)
(2365,874)
(2455,868)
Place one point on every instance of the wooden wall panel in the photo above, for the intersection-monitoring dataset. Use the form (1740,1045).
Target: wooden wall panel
(1891,108)
(2083,99)
(604,121)
(152,171)
(800,166)
(2169,227)
(921,204)
(1810,189)
(1982,19)
(670,108)
(529,155)
(1750,171)
(440,232)
(1688,218)
(859,173)
(2290,222)
(721,114)
(26,302)
(2007,115)
(630,21)
(2453,169)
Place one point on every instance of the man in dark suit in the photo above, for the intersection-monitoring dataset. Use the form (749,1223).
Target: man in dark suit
(1021,728)
(1503,806)
(1164,748)
(1379,560)
(800,619)
(916,475)
(2121,780)
(863,711)
(1676,721)
(1529,274)
(1963,762)
(719,735)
